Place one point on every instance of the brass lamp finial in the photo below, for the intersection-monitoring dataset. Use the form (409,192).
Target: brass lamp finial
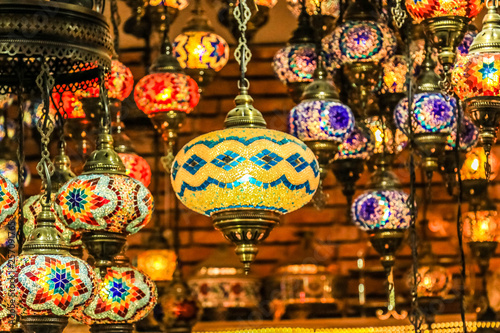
(104,159)
(244,114)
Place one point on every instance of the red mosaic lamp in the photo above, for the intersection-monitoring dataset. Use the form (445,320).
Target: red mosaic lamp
(166,95)
(103,203)
(445,23)
(124,296)
(476,79)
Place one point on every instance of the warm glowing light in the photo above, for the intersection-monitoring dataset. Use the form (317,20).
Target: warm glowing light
(482,226)
(475,162)
(158,264)
(426,9)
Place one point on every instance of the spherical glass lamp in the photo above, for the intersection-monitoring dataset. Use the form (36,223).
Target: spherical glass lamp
(8,169)
(475,80)
(468,136)
(422,10)
(482,224)
(136,167)
(165,92)
(159,264)
(124,296)
(199,50)
(394,75)
(245,177)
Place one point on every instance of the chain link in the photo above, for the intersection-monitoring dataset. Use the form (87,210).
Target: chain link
(242,54)
(45,126)
(398,14)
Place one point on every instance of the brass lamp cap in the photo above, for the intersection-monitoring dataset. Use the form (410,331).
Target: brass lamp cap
(244,114)
(104,159)
(320,88)
(428,80)
(361,10)
(45,239)
(383,178)
(488,40)
(198,22)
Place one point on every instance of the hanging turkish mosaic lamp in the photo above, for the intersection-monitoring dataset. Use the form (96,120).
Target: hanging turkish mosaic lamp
(103,203)
(166,95)
(322,122)
(33,206)
(295,63)
(349,162)
(199,50)
(449,167)
(360,44)
(383,212)
(445,23)
(476,81)
(482,233)
(124,296)
(433,117)
(259,17)
(393,86)
(158,261)
(475,174)
(245,176)
(325,12)
(178,309)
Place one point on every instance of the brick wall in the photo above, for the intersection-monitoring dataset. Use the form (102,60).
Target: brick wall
(338,240)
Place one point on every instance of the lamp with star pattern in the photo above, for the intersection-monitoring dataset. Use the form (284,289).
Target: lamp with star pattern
(475,79)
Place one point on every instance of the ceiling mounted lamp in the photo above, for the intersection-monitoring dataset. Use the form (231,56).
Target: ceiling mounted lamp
(449,167)
(46,268)
(245,176)
(259,17)
(360,44)
(199,50)
(103,203)
(476,81)
(295,63)
(178,309)
(325,12)
(383,212)
(433,117)
(33,207)
(124,296)
(482,233)
(445,24)
(349,162)
(474,173)
(322,122)
(166,95)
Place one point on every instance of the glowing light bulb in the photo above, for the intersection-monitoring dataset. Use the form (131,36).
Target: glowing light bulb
(475,164)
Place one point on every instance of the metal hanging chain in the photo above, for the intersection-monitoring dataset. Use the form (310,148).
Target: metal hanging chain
(105,125)
(115,22)
(459,217)
(45,126)
(242,53)
(20,156)
(398,14)
(416,317)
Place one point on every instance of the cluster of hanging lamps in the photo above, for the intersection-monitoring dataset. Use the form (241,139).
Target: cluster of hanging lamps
(200,51)
(245,176)
(360,44)
(476,82)
(296,62)
(433,117)
(445,24)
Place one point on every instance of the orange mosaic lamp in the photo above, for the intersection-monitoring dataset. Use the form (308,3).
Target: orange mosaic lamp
(445,23)
(166,95)
(475,77)
(475,173)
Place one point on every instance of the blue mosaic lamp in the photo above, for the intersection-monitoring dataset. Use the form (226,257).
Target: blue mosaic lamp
(360,45)
(295,63)
(349,162)
(383,212)
(433,117)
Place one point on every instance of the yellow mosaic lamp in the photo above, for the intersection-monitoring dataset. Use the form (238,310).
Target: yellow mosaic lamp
(245,176)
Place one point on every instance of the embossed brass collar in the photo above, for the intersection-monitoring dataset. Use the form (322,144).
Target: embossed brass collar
(104,159)
(244,114)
